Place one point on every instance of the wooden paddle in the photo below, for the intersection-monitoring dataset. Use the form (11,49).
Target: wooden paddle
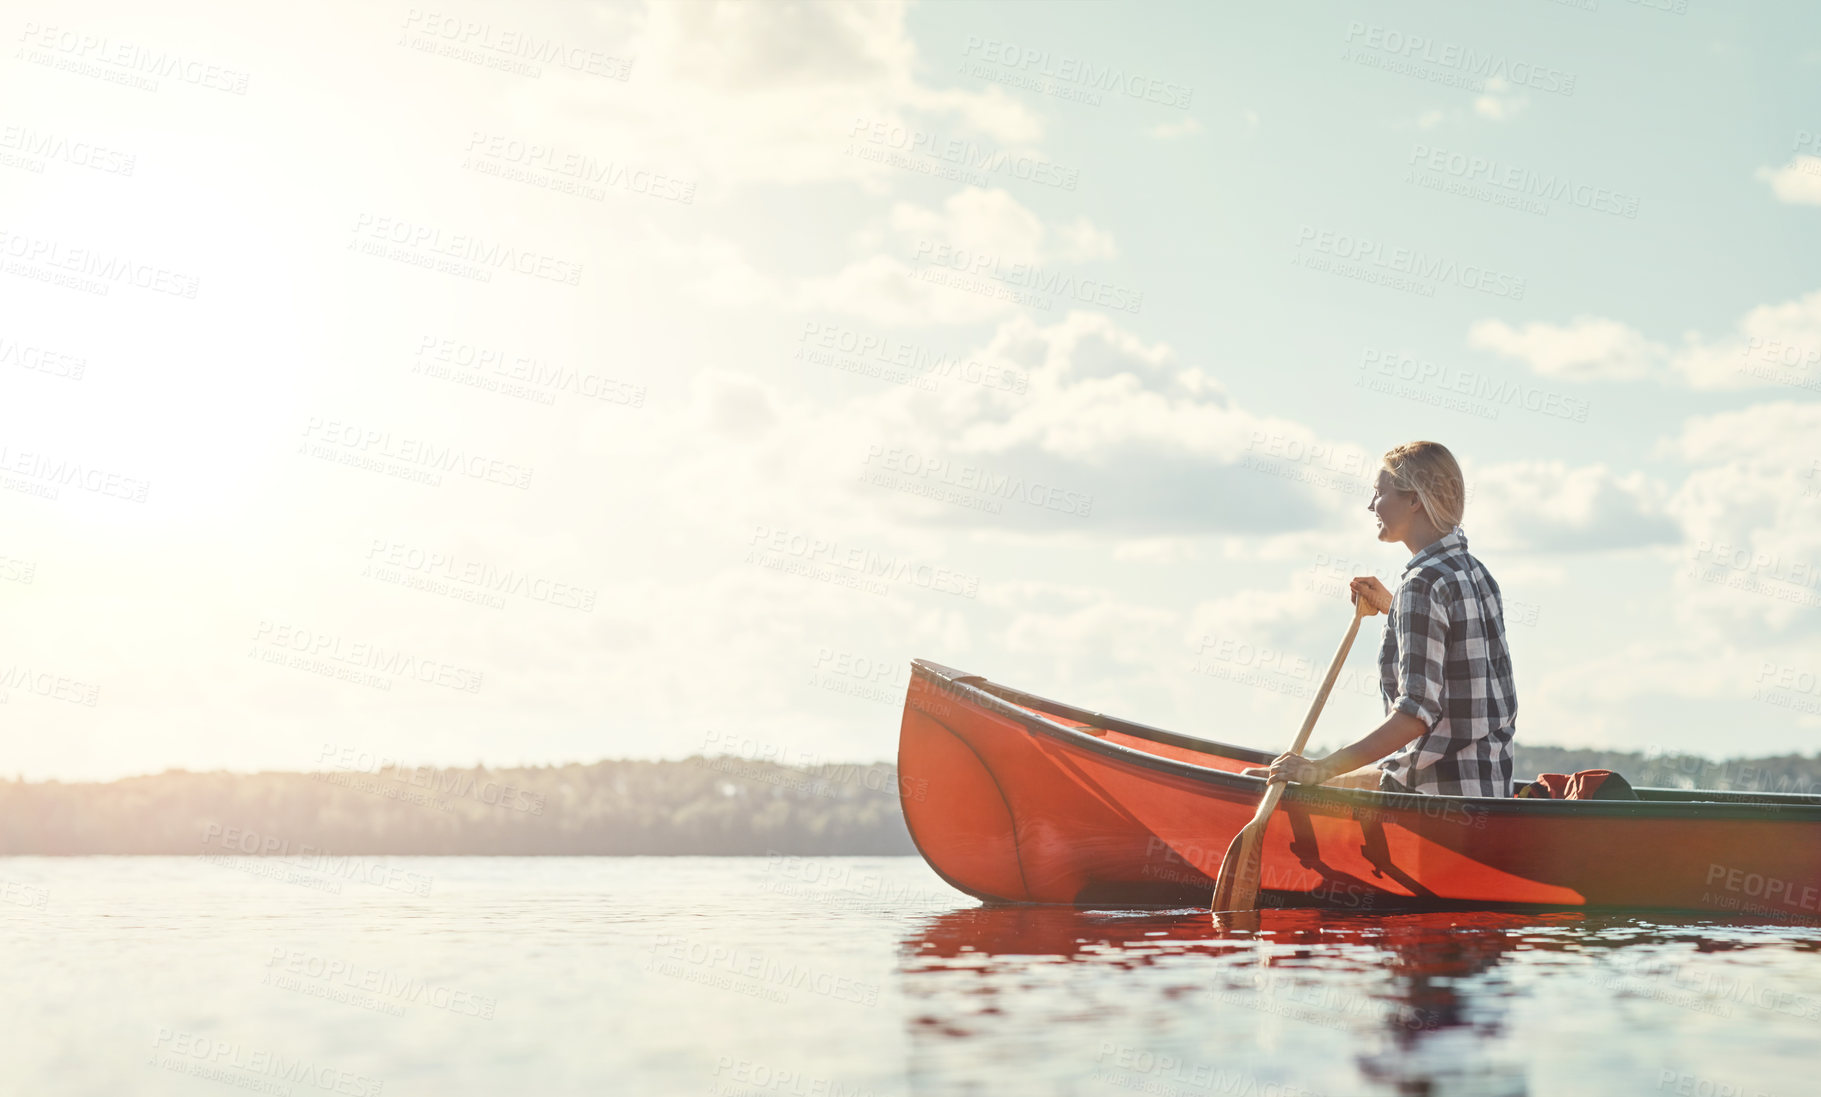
(1236,888)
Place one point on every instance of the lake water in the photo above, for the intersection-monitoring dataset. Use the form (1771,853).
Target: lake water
(788,977)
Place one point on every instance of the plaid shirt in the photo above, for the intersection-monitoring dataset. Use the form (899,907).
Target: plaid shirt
(1445,662)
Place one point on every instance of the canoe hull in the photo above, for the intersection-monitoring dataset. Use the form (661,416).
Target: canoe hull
(1013,798)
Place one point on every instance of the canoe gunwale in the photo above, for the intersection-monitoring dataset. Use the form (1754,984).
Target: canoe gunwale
(1667,803)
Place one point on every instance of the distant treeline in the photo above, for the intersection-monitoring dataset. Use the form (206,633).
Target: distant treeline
(702,805)
(719,805)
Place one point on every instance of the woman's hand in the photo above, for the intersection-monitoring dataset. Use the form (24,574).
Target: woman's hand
(1287,767)
(1378,599)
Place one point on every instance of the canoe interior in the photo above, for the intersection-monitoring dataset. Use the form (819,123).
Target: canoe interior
(1232,759)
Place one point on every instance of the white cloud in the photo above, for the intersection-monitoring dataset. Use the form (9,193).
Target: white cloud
(890,285)
(1282,617)
(1080,241)
(1551,506)
(1783,435)
(1304,546)
(990,222)
(1588,348)
(1797,182)
(737,94)
(1681,663)
(1776,344)
(1188,127)
(1773,344)
(983,222)
(1751,514)
(1079,627)
(1498,103)
(1155,550)
(886,290)
(1144,445)
(713,270)
(974,228)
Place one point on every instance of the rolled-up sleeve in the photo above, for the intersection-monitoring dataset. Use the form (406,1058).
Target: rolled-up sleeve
(1421,609)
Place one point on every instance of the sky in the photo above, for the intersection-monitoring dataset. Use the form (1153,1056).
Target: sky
(539,383)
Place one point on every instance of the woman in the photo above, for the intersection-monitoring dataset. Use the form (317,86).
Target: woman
(1444,668)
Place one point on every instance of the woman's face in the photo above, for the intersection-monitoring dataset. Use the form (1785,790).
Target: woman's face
(1393,508)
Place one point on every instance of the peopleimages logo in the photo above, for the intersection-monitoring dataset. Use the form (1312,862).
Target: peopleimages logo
(520,375)
(894,360)
(1494,391)
(817,557)
(234,1064)
(1416,266)
(1745,558)
(122,61)
(385,555)
(54,687)
(328,648)
(1029,276)
(46,476)
(1794,894)
(35,147)
(1064,69)
(38,257)
(941,472)
(51,363)
(1521,181)
(538,158)
(466,36)
(333,436)
(1474,66)
(963,153)
(230,842)
(428,241)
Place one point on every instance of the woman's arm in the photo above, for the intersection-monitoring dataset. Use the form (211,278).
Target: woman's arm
(1422,628)
(1398,729)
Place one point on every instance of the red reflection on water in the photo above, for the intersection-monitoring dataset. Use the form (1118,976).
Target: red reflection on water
(1386,987)
(1071,932)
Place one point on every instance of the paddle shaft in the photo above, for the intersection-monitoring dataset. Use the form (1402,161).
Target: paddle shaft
(1240,892)
(1276,791)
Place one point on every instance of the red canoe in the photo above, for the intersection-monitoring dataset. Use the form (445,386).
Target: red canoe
(1017,799)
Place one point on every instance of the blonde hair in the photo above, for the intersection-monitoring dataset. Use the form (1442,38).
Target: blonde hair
(1429,470)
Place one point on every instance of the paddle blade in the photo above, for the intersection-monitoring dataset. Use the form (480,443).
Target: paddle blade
(1238,921)
(1236,888)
